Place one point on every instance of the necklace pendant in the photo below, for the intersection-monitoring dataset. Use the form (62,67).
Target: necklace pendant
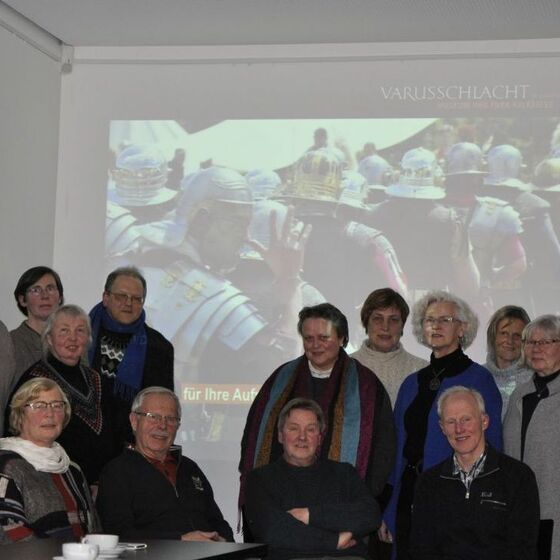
(434,384)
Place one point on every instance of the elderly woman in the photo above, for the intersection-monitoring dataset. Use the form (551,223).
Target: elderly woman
(38,293)
(44,494)
(447,325)
(88,437)
(532,422)
(384,314)
(503,358)
(356,405)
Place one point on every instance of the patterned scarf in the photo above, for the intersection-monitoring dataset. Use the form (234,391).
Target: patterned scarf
(348,403)
(131,369)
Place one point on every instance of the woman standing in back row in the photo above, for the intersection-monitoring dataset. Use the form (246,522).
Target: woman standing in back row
(384,314)
(447,325)
(38,293)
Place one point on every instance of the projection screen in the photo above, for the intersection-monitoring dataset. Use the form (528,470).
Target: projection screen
(304,136)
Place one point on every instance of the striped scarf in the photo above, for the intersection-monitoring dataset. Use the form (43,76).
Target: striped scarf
(348,403)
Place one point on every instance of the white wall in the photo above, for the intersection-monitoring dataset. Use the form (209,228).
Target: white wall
(29,117)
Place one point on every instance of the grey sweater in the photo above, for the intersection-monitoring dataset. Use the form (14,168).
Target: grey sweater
(27,347)
(542,452)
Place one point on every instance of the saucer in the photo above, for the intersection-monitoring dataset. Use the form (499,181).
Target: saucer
(106,553)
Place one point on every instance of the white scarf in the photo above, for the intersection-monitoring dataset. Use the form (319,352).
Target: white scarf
(45,459)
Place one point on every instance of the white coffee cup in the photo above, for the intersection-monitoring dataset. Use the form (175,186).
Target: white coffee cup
(80,551)
(105,542)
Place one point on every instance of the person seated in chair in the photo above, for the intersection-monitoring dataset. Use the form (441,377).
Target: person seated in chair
(304,506)
(151,491)
(478,503)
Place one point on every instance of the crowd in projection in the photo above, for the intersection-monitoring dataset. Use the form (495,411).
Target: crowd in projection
(356,448)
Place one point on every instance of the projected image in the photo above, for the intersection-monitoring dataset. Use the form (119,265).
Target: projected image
(239,225)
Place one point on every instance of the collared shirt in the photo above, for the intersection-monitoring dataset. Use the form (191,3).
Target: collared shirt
(474,471)
(167,467)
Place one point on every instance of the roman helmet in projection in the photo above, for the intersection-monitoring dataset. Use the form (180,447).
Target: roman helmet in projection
(420,177)
(547,175)
(505,163)
(353,192)
(317,176)
(215,190)
(263,182)
(377,170)
(140,176)
(464,158)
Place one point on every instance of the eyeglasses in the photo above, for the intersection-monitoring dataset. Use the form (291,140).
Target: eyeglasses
(49,290)
(56,406)
(123,299)
(452,422)
(440,321)
(544,342)
(154,418)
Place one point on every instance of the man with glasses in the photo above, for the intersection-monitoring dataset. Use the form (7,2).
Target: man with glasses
(478,503)
(125,349)
(151,491)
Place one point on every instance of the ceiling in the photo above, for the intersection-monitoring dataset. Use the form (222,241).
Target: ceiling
(253,22)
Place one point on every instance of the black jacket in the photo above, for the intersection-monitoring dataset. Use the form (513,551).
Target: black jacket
(136,501)
(498,520)
(337,499)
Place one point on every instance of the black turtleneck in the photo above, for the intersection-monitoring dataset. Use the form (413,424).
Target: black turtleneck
(416,416)
(531,401)
(72,374)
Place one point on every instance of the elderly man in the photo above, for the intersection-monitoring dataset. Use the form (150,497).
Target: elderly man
(479,503)
(151,491)
(125,349)
(304,506)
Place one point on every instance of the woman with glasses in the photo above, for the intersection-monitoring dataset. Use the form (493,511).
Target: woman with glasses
(38,293)
(503,358)
(88,438)
(532,422)
(43,493)
(447,325)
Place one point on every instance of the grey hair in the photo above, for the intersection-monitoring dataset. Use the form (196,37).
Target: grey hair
(464,313)
(455,390)
(550,324)
(302,404)
(154,390)
(67,309)
(506,312)
(130,271)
